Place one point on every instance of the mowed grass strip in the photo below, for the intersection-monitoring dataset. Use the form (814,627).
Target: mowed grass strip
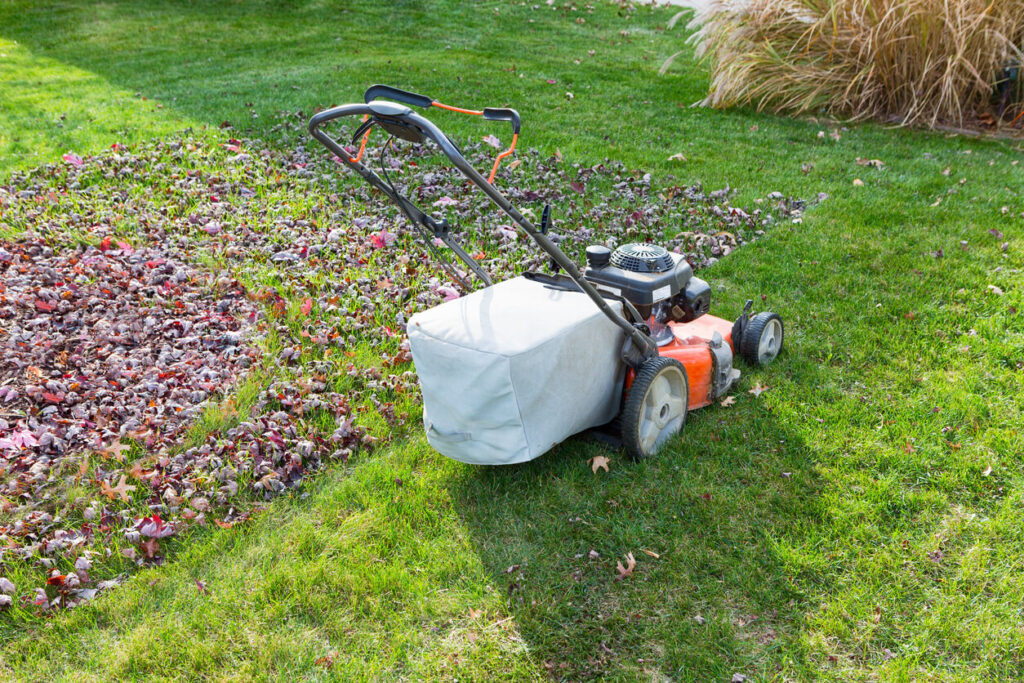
(858,520)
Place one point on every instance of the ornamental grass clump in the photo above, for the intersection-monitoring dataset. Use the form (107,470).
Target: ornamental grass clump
(920,62)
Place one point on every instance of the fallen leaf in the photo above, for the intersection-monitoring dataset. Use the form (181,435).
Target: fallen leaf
(728,401)
(857,182)
(117,450)
(677,157)
(700,620)
(598,462)
(987,472)
(758,390)
(651,553)
(873,163)
(150,547)
(121,490)
(327,661)
(307,306)
(493,141)
(628,569)
(995,290)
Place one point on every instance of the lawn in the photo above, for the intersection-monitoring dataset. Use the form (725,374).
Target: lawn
(856,521)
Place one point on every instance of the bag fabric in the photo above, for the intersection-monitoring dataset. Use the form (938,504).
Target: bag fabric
(511,370)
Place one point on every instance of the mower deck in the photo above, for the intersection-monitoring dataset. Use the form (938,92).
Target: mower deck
(690,347)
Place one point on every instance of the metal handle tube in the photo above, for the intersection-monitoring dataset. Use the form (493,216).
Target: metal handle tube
(644,343)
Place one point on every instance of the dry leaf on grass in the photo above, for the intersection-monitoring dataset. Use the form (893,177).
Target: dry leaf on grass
(598,462)
(117,450)
(628,569)
(728,401)
(758,390)
(119,491)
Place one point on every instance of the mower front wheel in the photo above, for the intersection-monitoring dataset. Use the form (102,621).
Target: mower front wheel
(656,406)
(762,339)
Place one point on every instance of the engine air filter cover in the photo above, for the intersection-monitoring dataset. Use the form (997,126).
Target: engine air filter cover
(643,258)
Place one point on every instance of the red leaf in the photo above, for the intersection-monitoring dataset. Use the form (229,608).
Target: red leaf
(52,398)
(45,306)
(105,244)
(307,306)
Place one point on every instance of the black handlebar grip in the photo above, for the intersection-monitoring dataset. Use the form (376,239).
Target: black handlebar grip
(375,91)
(495,114)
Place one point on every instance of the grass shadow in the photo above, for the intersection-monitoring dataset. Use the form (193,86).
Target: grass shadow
(709,521)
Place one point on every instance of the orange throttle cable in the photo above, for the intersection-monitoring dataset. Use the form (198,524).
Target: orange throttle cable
(497,162)
(474,112)
(362,147)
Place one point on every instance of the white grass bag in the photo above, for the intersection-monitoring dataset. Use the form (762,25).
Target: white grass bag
(511,370)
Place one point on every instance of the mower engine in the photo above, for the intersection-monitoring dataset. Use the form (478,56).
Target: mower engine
(658,282)
(661,285)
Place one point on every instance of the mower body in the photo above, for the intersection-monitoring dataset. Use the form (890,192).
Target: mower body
(515,367)
(692,346)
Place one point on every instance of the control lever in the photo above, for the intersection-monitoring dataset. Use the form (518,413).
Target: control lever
(545,223)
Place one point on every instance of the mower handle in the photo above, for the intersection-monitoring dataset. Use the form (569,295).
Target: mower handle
(417,100)
(375,91)
(503,114)
(388,111)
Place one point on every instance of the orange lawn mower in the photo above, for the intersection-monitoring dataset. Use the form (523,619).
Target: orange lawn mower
(512,369)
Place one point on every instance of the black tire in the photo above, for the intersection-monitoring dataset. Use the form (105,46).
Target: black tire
(762,339)
(659,399)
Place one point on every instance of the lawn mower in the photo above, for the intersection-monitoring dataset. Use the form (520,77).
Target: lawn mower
(628,345)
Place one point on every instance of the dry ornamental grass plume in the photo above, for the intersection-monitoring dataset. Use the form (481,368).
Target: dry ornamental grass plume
(920,62)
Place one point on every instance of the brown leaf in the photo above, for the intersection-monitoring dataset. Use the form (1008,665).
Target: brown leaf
(758,390)
(117,450)
(628,569)
(121,490)
(650,552)
(728,401)
(598,462)
(150,547)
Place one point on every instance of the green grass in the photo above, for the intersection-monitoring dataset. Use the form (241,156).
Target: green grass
(842,526)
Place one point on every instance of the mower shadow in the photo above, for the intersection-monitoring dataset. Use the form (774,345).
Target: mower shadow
(718,508)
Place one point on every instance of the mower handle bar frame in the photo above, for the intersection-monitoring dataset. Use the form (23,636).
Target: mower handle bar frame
(389,112)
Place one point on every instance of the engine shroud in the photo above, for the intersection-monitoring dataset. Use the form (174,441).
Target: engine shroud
(644,273)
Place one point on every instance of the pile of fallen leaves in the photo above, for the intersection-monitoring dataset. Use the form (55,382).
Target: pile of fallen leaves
(144,282)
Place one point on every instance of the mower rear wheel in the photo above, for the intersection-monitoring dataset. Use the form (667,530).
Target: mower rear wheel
(655,409)
(762,338)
